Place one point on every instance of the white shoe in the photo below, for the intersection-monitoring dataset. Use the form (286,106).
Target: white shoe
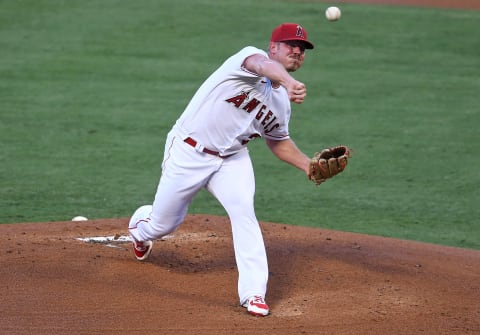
(256,305)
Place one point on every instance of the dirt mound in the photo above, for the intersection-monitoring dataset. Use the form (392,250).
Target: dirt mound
(321,282)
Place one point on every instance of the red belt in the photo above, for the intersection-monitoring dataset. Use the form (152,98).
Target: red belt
(193,143)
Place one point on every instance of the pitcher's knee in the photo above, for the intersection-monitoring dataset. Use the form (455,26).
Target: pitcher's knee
(160,227)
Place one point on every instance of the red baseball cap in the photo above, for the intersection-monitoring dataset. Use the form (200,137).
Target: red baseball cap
(291,32)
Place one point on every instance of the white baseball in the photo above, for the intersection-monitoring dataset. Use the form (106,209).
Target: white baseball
(333,13)
(79,218)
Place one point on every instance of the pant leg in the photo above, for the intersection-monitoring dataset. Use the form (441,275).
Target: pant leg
(234,186)
(184,172)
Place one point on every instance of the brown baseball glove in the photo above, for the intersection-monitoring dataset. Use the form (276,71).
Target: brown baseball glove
(328,163)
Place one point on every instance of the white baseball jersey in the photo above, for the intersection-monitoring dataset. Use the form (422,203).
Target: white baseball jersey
(234,106)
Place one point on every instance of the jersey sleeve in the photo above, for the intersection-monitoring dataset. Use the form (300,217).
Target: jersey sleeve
(244,54)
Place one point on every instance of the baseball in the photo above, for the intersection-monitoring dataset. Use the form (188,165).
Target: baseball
(79,218)
(333,13)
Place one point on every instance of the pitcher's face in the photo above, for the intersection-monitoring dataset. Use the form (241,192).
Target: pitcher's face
(291,54)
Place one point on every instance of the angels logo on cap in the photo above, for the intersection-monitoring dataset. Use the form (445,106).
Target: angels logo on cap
(300,31)
(291,32)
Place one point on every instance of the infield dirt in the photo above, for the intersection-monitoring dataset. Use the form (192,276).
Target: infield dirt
(321,282)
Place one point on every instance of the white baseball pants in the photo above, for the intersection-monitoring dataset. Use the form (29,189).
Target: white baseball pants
(185,171)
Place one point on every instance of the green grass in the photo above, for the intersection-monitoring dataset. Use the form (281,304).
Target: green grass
(88,90)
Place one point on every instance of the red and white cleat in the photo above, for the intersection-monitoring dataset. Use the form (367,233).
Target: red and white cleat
(256,305)
(142,250)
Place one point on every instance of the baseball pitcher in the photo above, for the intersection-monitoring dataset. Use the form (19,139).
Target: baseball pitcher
(248,97)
